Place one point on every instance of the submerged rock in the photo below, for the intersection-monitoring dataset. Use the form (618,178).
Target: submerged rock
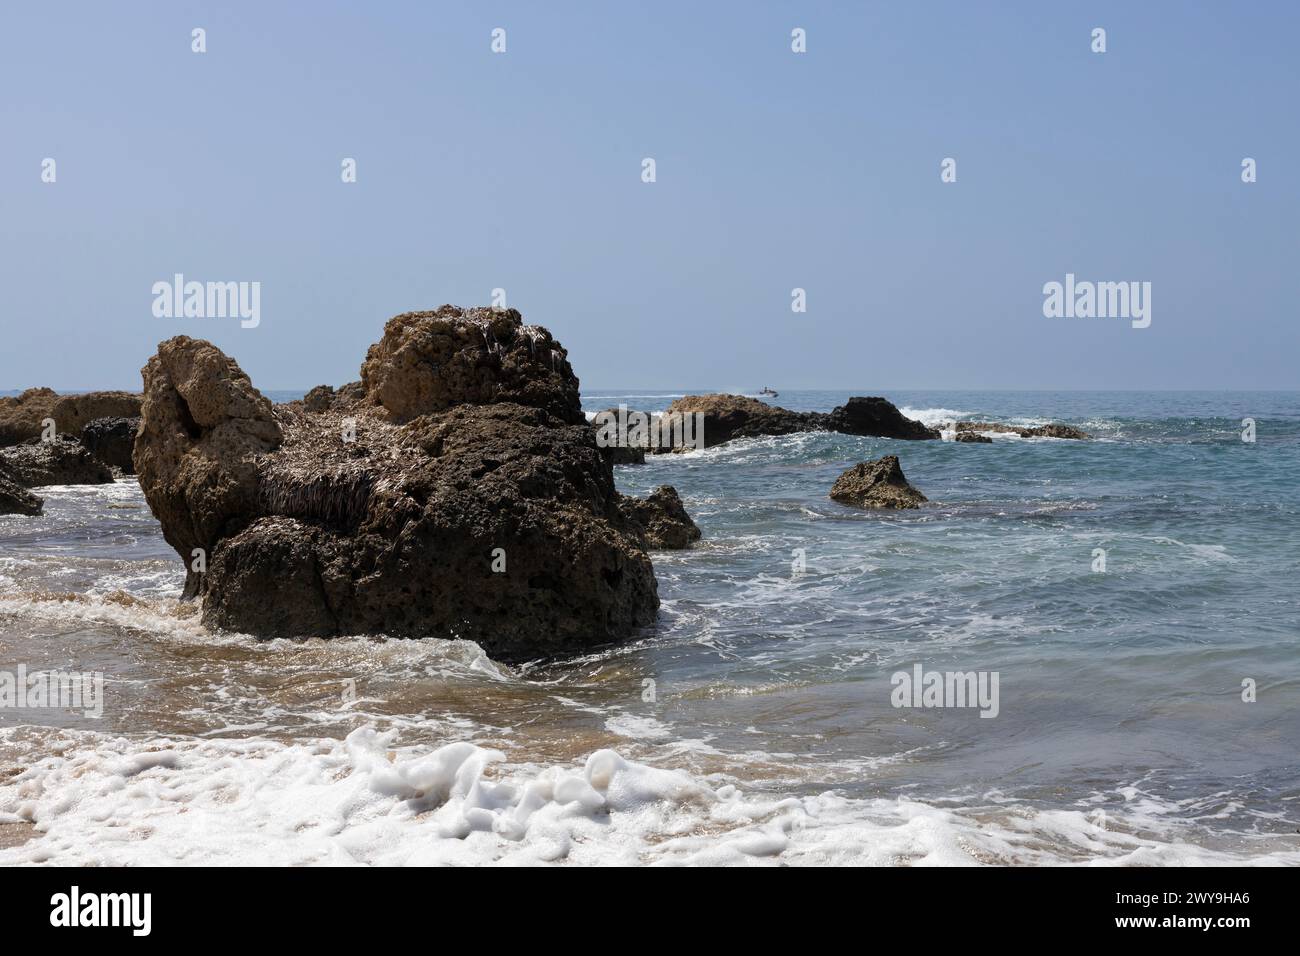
(22,418)
(14,498)
(876,484)
(1037,431)
(661,519)
(972,438)
(60,461)
(459,494)
(112,441)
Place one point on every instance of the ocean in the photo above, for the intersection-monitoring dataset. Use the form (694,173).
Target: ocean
(1135,596)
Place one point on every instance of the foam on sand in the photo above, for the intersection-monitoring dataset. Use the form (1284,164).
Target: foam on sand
(115,801)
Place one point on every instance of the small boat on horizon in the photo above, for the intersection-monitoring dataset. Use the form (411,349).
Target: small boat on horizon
(768,392)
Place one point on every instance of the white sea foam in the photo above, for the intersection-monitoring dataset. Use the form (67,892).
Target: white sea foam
(115,801)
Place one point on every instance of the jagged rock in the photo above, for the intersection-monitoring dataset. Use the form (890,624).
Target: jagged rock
(21,418)
(430,361)
(877,417)
(430,508)
(876,484)
(661,519)
(737,416)
(203,426)
(112,441)
(14,498)
(972,438)
(1038,431)
(60,461)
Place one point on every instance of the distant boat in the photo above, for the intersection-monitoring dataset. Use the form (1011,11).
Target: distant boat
(767,391)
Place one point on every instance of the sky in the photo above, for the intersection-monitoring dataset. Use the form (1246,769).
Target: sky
(774,170)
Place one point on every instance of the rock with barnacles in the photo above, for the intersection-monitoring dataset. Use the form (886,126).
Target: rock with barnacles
(59,461)
(459,493)
(112,441)
(876,484)
(14,498)
(661,519)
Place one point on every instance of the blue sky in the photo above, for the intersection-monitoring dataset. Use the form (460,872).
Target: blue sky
(522,171)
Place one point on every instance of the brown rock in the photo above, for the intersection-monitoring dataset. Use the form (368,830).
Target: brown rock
(21,418)
(203,427)
(430,361)
(876,484)
(877,417)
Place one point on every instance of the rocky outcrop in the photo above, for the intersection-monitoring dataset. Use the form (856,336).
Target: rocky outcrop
(972,438)
(460,495)
(60,461)
(660,519)
(876,484)
(14,498)
(879,418)
(727,417)
(112,441)
(1037,431)
(203,428)
(22,418)
(736,416)
(431,361)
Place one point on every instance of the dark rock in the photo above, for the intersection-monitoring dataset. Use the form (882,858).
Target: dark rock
(431,508)
(661,519)
(1054,431)
(876,484)
(736,416)
(14,498)
(973,438)
(22,418)
(60,461)
(877,417)
(112,441)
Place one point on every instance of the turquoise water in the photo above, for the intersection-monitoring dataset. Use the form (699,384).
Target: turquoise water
(1121,734)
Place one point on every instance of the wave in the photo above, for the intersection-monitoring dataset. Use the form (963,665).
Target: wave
(112,801)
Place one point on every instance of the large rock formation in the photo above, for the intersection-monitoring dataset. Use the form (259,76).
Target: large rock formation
(876,484)
(458,493)
(60,461)
(112,441)
(22,418)
(14,498)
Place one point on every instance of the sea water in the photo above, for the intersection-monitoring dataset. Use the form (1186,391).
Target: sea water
(1148,705)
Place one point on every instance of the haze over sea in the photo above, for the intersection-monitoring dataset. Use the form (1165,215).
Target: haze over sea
(1122,735)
